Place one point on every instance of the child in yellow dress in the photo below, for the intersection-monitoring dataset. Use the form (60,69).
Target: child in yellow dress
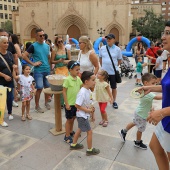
(102,94)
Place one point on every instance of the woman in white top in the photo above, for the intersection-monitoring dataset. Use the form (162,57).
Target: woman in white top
(87,57)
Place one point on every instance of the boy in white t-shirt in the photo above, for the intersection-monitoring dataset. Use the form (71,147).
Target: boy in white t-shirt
(84,111)
(159,66)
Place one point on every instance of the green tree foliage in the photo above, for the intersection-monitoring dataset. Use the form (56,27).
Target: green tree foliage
(150,26)
(8,26)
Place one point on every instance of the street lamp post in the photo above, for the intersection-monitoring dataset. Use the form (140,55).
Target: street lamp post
(101,31)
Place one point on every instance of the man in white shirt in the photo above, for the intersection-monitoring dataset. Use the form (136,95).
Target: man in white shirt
(106,63)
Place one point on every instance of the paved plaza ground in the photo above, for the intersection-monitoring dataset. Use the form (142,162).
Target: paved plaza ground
(30,146)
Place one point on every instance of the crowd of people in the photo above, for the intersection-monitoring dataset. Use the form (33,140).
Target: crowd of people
(89,78)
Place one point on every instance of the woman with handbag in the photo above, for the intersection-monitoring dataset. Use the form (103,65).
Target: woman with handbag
(6,79)
(110,57)
(60,57)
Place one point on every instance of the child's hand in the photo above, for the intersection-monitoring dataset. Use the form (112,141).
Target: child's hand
(145,64)
(91,110)
(111,100)
(15,66)
(68,107)
(93,118)
(34,91)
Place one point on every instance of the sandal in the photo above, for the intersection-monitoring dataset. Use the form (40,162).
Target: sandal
(105,124)
(101,122)
(29,117)
(23,118)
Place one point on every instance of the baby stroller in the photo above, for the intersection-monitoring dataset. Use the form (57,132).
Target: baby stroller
(126,68)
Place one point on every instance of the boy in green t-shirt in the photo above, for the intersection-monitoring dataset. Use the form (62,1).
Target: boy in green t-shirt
(141,112)
(71,87)
(139,68)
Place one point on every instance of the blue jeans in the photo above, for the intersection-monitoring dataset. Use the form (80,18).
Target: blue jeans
(41,80)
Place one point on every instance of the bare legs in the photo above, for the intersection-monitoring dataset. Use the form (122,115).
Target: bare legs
(160,155)
(69,126)
(26,107)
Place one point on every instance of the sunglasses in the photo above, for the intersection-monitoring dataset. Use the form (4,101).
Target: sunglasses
(43,35)
(75,64)
(60,42)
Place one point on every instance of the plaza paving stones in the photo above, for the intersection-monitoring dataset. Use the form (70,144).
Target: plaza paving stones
(30,146)
(12,143)
(120,166)
(78,160)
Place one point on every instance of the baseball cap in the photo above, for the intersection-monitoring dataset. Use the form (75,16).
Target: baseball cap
(110,36)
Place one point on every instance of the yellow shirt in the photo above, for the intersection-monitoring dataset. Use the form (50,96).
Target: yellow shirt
(100,92)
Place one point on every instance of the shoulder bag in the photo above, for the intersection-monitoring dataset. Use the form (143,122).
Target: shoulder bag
(117,74)
(5,63)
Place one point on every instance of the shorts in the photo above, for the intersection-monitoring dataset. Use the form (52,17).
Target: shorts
(102,106)
(158,73)
(112,80)
(163,137)
(83,124)
(139,122)
(41,80)
(69,114)
(165,60)
(138,75)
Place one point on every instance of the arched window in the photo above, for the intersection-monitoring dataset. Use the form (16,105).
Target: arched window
(33,33)
(74,32)
(115,31)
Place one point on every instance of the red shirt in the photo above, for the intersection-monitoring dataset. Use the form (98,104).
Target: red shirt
(151,53)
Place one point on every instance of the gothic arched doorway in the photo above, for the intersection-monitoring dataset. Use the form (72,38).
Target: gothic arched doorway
(115,31)
(74,32)
(33,33)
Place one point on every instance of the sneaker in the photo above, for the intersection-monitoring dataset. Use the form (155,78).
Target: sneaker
(14,104)
(68,139)
(39,110)
(72,134)
(47,106)
(136,84)
(140,145)
(115,105)
(93,152)
(122,135)
(4,124)
(76,147)
(11,117)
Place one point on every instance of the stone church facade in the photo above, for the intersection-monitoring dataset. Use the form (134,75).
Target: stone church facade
(74,17)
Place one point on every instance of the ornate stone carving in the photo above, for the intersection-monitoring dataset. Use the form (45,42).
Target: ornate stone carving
(71,6)
(32,13)
(114,13)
